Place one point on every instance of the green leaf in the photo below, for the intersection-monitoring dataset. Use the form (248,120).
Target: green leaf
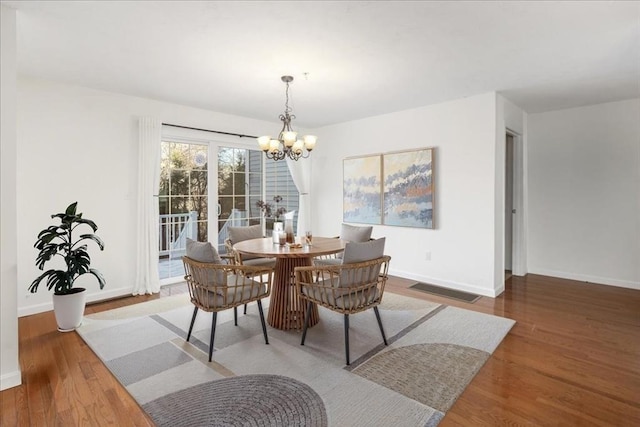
(98,276)
(34,285)
(92,237)
(71,209)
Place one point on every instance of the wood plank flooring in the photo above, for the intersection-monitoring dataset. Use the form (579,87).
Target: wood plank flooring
(573,358)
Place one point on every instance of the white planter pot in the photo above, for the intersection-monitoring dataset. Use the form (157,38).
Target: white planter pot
(69,309)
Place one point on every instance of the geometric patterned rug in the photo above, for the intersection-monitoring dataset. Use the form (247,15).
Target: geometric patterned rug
(434,352)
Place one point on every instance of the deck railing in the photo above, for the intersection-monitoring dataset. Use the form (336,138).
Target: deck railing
(174,230)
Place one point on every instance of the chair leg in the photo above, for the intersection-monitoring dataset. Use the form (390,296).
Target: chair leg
(264,325)
(235,316)
(384,338)
(346,336)
(245,309)
(306,322)
(193,320)
(213,333)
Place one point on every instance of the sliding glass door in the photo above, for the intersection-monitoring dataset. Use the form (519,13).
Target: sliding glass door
(183,200)
(207,186)
(239,189)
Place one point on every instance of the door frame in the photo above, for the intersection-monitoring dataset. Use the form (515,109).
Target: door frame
(518,254)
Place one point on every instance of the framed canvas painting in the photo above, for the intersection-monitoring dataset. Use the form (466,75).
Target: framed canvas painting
(362,189)
(408,190)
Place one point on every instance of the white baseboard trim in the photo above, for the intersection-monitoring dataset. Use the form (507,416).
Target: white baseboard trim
(95,296)
(586,278)
(448,284)
(12,379)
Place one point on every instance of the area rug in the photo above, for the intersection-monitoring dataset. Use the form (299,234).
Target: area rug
(434,352)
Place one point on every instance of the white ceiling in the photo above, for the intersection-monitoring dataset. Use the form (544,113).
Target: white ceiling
(363,58)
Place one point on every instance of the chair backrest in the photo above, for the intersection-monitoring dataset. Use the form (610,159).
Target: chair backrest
(356,252)
(205,252)
(239,234)
(355,233)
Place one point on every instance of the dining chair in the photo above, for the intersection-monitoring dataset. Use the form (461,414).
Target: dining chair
(240,234)
(215,287)
(349,233)
(355,285)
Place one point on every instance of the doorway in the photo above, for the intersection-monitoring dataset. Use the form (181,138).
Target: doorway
(514,206)
(509,209)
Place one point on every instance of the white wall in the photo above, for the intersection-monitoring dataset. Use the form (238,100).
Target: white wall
(584,193)
(462,244)
(9,367)
(79,144)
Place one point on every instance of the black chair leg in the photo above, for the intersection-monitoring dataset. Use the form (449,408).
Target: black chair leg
(245,309)
(346,336)
(264,325)
(213,333)
(235,316)
(384,338)
(193,320)
(306,322)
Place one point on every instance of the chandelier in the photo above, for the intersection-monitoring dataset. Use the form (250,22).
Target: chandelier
(287,144)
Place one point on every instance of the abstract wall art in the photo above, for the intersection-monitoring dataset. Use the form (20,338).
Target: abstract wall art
(362,189)
(408,190)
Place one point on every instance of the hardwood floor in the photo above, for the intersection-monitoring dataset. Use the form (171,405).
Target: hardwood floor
(573,358)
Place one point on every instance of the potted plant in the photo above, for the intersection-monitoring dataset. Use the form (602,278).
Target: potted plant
(273,211)
(58,239)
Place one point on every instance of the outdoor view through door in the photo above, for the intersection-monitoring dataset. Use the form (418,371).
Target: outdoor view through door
(183,202)
(184,198)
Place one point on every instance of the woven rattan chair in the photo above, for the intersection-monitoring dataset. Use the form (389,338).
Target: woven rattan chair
(346,289)
(218,287)
(239,234)
(349,233)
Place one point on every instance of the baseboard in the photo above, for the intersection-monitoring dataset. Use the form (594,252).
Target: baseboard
(586,278)
(12,379)
(447,283)
(95,296)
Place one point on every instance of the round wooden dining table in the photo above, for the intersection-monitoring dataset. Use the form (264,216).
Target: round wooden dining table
(286,308)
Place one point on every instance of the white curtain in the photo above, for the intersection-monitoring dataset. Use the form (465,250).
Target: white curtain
(301,173)
(149,140)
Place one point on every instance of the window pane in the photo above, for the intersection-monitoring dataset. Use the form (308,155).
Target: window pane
(240,204)
(225,156)
(240,160)
(255,161)
(199,204)
(164,205)
(203,231)
(198,157)
(179,156)
(239,183)
(179,183)
(179,205)
(198,183)
(226,204)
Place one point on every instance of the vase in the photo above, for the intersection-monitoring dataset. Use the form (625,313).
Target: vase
(288,229)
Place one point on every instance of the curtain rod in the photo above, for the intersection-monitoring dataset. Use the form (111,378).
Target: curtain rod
(240,135)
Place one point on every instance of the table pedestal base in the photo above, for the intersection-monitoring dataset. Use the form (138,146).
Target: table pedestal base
(286,308)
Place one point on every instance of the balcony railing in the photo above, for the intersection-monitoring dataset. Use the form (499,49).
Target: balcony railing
(174,230)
